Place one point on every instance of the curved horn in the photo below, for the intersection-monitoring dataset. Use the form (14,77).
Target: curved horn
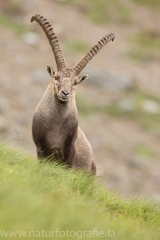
(83,62)
(47,28)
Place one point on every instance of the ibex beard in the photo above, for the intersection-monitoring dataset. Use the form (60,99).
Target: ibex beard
(55,122)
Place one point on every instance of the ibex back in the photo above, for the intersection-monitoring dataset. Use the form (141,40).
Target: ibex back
(55,123)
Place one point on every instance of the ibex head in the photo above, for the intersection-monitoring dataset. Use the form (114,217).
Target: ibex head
(66,79)
(65,82)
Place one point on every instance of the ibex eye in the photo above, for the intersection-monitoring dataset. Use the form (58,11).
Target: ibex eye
(57,77)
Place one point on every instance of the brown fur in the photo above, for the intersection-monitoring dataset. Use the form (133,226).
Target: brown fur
(55,124)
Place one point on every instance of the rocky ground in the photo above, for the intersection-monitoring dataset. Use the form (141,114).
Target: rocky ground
(119,105)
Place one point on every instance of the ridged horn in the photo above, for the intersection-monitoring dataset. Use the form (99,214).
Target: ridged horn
(78,67)
(47,28)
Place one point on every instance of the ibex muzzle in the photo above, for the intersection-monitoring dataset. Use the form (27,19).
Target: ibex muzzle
(55,122)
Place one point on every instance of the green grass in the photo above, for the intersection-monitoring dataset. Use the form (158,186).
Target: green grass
(85,108)
(149,3)
(142,150)
(77,46)
(148,39)
(147,120)
(145,46)
(7,22)
(39,198)
(101,12)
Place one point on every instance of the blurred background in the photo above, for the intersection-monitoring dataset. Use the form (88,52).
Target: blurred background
(119,105)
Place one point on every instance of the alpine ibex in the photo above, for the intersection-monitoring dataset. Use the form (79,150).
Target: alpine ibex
(55,123)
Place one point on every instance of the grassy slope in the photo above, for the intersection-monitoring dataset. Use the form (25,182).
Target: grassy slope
(42,196)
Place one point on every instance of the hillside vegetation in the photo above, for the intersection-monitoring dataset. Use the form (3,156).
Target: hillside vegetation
(45,200)
(118,106)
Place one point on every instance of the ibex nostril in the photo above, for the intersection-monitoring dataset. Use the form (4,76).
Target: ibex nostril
(65,93)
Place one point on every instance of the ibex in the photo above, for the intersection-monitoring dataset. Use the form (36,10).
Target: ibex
(55,122)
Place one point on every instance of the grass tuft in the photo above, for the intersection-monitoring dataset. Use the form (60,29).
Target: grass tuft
(145,46)
(6,22)
(85,108)
(101,12)
(144,151)
(153,3)
(141,107)
(77,46)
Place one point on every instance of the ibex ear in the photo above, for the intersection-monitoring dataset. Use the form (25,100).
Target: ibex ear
(50,71)
(82,78)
